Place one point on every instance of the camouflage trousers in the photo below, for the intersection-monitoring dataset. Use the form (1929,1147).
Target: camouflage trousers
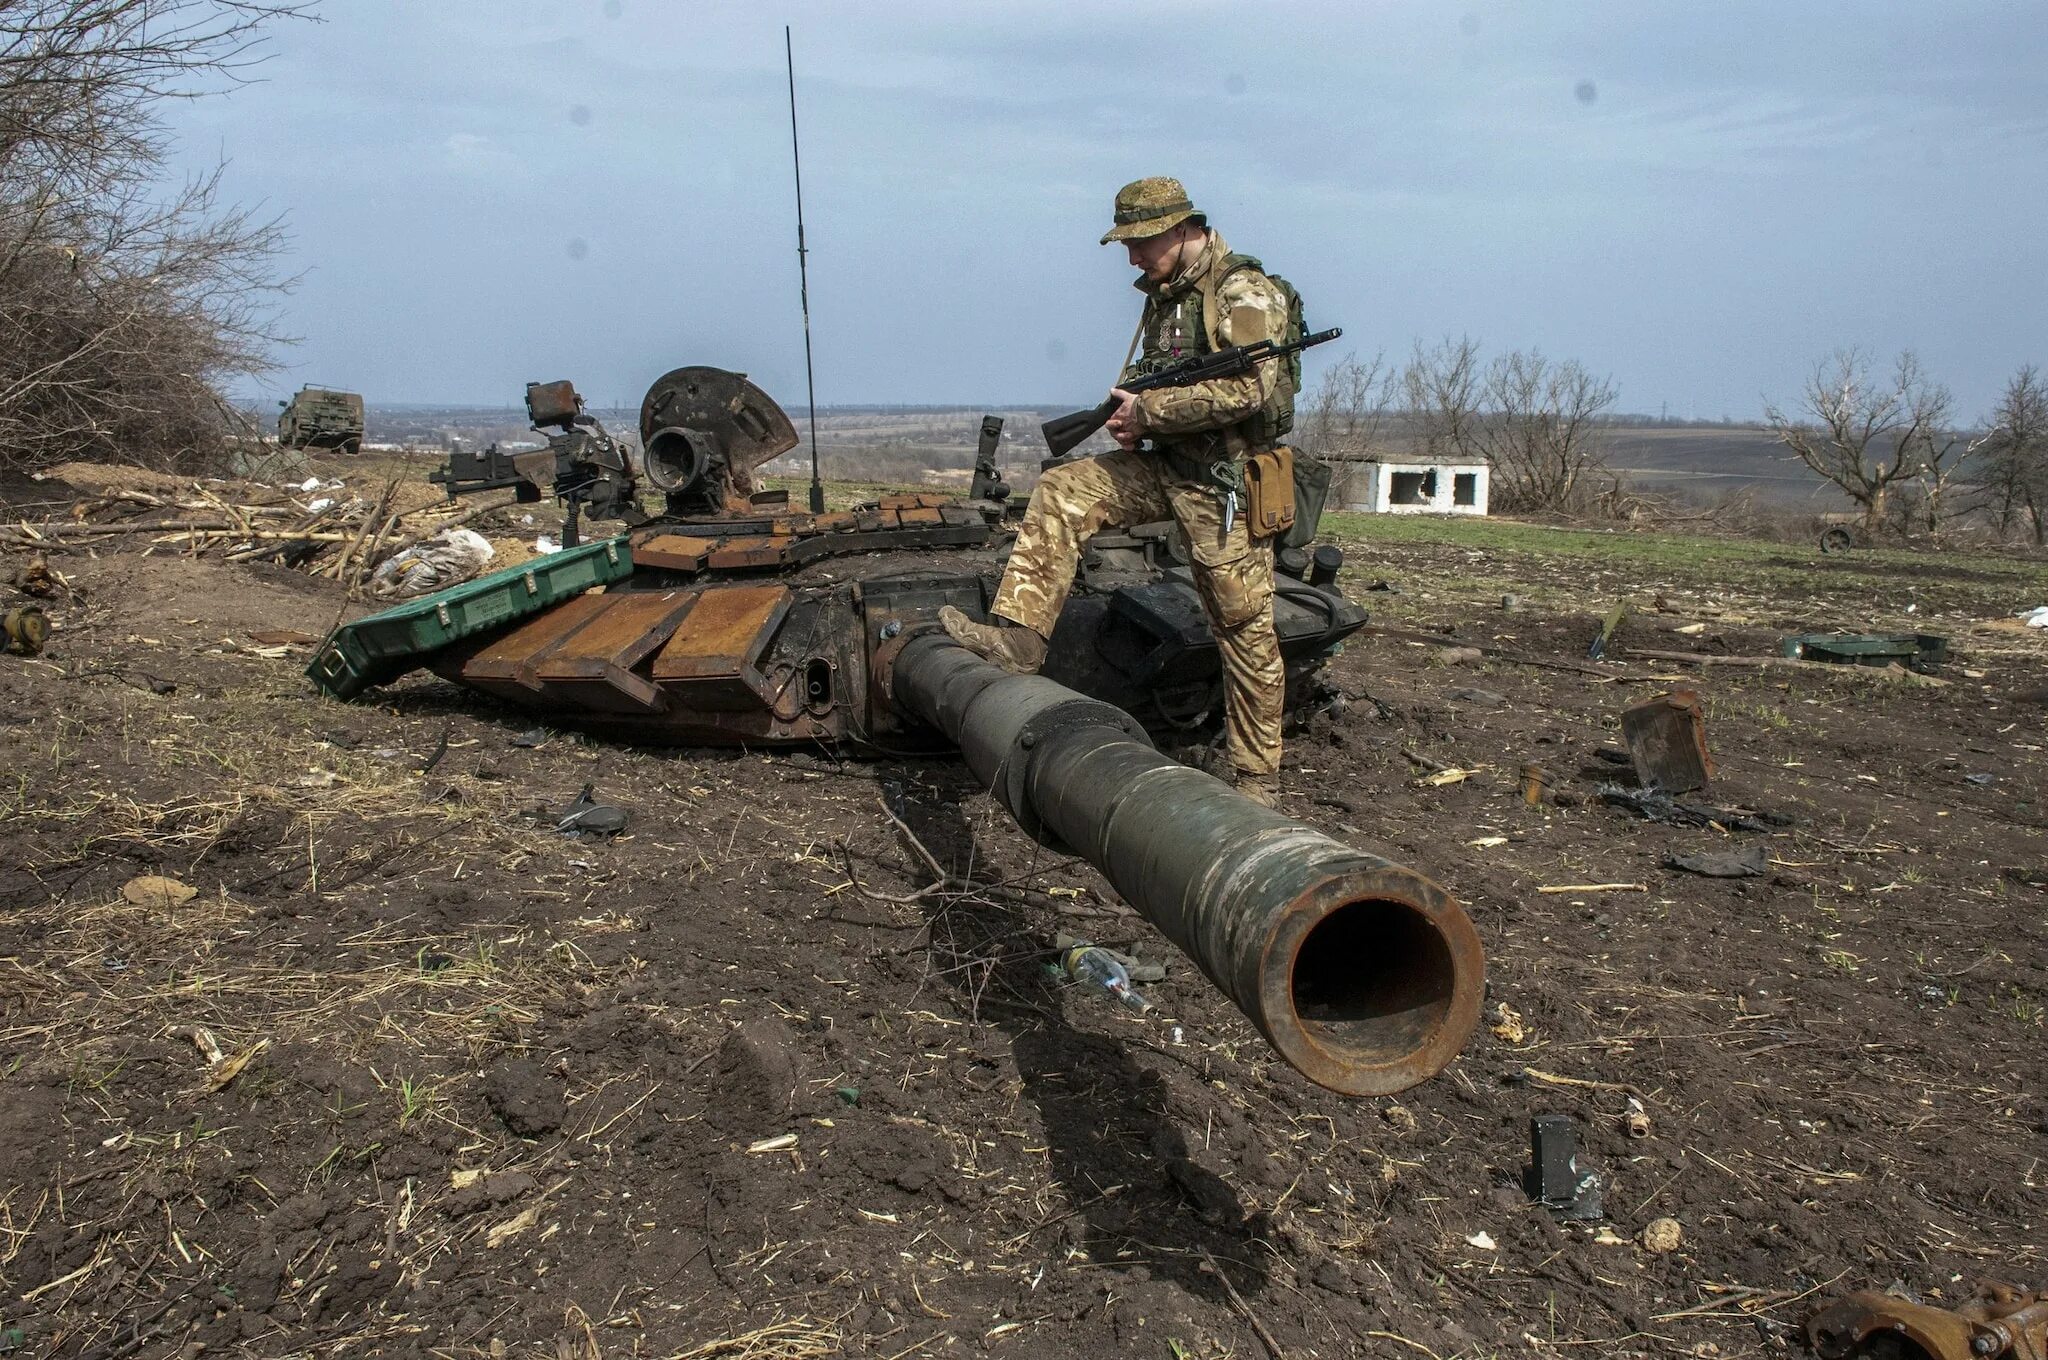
(1233,575)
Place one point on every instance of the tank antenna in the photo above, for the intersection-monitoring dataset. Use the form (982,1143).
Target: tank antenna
(803,278)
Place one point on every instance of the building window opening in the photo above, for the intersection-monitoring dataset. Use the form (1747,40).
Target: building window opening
(1413,488)
(1465,488)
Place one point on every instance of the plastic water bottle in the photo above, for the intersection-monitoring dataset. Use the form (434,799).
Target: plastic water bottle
(1093,966)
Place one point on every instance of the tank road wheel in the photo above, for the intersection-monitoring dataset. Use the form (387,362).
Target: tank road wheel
(1837,540)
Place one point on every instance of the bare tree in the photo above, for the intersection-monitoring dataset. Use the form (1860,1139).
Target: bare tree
(1350,411)
(123,305)
(1540,430)
(2016,455)
(1440,390)
(1867,435)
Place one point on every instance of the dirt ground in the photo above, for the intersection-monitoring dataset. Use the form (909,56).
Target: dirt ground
(483,1089)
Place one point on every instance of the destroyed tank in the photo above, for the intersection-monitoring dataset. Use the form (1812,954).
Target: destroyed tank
(728,618)
(321,418)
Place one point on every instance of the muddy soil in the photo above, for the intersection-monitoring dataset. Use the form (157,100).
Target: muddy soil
(409,1073)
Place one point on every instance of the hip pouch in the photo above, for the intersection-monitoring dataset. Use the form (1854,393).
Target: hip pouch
(1269,492)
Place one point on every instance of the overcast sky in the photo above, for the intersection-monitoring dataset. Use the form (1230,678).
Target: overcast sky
(1698,199)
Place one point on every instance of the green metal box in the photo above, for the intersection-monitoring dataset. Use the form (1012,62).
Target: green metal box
(1915,651)
(379,648)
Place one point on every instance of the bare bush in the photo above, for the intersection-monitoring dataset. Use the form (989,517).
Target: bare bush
(2016,457)
(1872,436)
(1348,417)
(1540,429)
(123,306)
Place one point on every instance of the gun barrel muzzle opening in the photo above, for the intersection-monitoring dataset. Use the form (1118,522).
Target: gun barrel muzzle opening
(1368,991)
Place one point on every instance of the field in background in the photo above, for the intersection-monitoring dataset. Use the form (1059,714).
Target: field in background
(935,447)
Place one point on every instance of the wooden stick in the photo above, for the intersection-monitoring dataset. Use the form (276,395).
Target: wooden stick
(100,530)
(376,519)
(1595,887)
(1504,654)
(261,535)
(1272,1346)
(1553,1079)
(340,563)
(1892,672)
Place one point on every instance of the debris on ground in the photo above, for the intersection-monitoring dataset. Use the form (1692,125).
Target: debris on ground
(1139,970)
(33,576)
(24,630)
(157,892)
(1605,637)
(1914,651)
(1998,1321)
(1662,1236)
(1749,862)
(1654,806)
(447,559)
(1100,970)
(1555,1177)
(1667,741)
(322,527)
(583,816)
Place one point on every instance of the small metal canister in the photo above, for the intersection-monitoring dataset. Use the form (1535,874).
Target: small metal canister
(1535,784)
(23,630)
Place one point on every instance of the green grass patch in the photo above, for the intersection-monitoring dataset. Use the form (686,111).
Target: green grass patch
(1996,581)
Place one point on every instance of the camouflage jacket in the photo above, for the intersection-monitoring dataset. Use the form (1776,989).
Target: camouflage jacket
(1218,420)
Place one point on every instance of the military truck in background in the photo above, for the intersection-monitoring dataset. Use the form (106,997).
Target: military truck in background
(321,418)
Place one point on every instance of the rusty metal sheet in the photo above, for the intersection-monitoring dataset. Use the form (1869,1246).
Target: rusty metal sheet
(725,633)
(509,665)
(920,515)
(1667,740)
(673,552)
(838,521)
(595,665)
(2000,1321)
(624,633)
(738,554)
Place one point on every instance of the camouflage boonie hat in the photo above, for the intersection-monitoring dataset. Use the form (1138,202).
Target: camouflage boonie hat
(1147,207)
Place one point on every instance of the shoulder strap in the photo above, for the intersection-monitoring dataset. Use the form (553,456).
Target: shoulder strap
(1136,336)
(1212,283)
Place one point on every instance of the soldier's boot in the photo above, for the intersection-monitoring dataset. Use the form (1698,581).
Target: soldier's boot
(1263,789)
(1012,646)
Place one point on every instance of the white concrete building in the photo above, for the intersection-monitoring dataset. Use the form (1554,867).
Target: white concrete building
(1416,488)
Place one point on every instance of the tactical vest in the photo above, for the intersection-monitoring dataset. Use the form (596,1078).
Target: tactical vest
(1176,328)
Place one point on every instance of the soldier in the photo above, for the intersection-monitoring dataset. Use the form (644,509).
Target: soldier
(1199,297)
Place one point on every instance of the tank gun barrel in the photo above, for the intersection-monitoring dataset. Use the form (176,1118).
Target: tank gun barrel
(1364,975)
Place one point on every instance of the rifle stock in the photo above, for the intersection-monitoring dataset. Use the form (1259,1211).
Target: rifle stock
(1065,433)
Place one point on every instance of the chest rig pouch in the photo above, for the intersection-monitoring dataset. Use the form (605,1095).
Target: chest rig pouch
(1269,493)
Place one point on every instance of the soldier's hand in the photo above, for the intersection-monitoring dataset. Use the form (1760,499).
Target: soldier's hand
(1123,422)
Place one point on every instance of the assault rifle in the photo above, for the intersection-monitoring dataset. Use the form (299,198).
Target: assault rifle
(1064,433)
